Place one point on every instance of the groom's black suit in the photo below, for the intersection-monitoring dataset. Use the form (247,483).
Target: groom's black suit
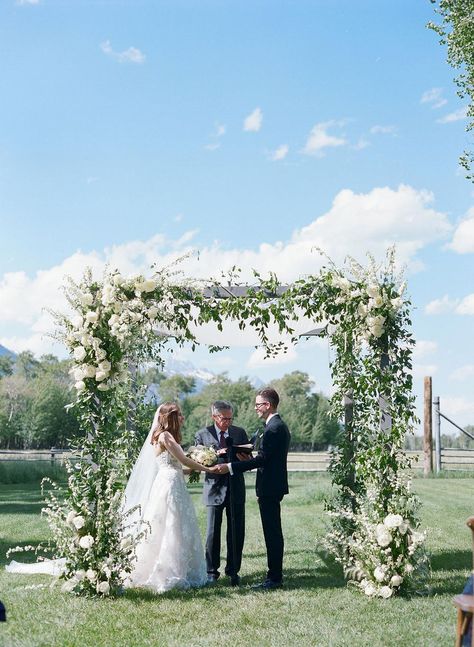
(271,485)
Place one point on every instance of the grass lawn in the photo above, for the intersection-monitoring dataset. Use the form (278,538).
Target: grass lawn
(314,609)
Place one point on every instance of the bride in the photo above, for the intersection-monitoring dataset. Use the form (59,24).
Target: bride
(171,554)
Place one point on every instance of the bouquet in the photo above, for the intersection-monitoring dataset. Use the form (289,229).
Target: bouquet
(206,456)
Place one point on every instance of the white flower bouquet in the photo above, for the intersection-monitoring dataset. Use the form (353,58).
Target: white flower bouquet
(203,455)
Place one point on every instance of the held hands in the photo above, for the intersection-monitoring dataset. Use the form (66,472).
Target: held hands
(219,469)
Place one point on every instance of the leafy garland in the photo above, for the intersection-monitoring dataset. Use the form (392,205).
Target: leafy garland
(375,528)
(120,321)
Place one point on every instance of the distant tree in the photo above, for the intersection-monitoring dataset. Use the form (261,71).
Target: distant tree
(27,365)
(15,407)
(6,365)
(51,425)
(175,387)
(457,32)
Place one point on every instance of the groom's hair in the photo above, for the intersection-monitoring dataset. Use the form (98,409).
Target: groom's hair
(270,395)
(220,405)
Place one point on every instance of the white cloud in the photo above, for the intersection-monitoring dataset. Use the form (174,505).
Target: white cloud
(130,55)
(424,370)
(457,115)
(319,138)
(460,409)
(424,348)
(257,358)
(178,217)
(354,224)
(463,238)
(212,147)
(466,307)
(253,122)
(280,153)
(220,130)
(434,97)
(361,144)
(27,2)
(462,373)
(441,306)
(382,130)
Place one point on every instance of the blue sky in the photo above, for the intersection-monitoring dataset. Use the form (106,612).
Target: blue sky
(132,131)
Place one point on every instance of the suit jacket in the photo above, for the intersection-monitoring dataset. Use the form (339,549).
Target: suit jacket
(215,485)
(272,474)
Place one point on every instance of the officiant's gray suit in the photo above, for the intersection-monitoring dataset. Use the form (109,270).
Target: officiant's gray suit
(217,498)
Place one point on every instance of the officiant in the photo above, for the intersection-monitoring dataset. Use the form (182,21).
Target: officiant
(218,495)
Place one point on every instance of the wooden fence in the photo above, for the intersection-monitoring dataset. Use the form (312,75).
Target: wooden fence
(453,459)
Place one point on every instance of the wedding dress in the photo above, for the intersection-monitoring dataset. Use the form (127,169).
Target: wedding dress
(171,555)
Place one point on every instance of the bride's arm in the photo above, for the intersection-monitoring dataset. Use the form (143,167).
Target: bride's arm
(176,450)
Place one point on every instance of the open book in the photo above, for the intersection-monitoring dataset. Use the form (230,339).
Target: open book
(243,449)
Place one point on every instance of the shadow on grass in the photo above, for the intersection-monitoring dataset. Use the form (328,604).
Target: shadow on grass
(327,575)
(448,568)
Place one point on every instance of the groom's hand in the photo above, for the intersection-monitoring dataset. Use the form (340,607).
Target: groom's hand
(221,468)
(242,456)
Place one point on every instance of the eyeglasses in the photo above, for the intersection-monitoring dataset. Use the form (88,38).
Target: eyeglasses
(260,404)
(224,419)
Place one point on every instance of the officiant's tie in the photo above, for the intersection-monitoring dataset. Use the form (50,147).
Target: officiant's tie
(222,444)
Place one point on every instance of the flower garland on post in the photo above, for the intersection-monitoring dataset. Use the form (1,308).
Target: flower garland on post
(374,532)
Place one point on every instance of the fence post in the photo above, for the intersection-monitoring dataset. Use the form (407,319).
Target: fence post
(52,456)
(428,427)
(437,433)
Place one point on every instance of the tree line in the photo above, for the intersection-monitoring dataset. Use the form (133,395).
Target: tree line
(34,394)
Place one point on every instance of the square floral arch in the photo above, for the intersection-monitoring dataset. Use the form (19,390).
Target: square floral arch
(374,529)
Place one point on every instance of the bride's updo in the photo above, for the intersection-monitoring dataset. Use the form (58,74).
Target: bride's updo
(169,419)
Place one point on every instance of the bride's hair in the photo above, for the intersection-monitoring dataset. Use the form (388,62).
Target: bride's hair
(169,419)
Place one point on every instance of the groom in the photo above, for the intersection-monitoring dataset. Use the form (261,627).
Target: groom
(271,483)
(220,495)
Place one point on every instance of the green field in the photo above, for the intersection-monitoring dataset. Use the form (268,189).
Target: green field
(315,608)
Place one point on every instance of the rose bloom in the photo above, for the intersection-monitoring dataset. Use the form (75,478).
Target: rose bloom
(379,574)
(383,535)
(92,317)
(393,520)
(79,353)
(369,589)
(91,575)
(86,541)
(396,580)
(103,587)
(78,522)
(385,592)
(80,386)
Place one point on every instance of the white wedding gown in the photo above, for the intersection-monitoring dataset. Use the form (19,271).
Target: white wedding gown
(171,556)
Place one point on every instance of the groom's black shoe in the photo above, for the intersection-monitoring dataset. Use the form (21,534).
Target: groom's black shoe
(234,580)
(268,585)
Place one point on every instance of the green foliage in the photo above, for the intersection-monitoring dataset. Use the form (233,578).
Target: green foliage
(456,31)
(32,404)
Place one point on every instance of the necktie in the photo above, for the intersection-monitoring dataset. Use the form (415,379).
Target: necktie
(222,444)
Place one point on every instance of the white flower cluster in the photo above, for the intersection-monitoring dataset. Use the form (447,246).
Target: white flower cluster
(203,455)
(382,554)
(124,309)
(375,303)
